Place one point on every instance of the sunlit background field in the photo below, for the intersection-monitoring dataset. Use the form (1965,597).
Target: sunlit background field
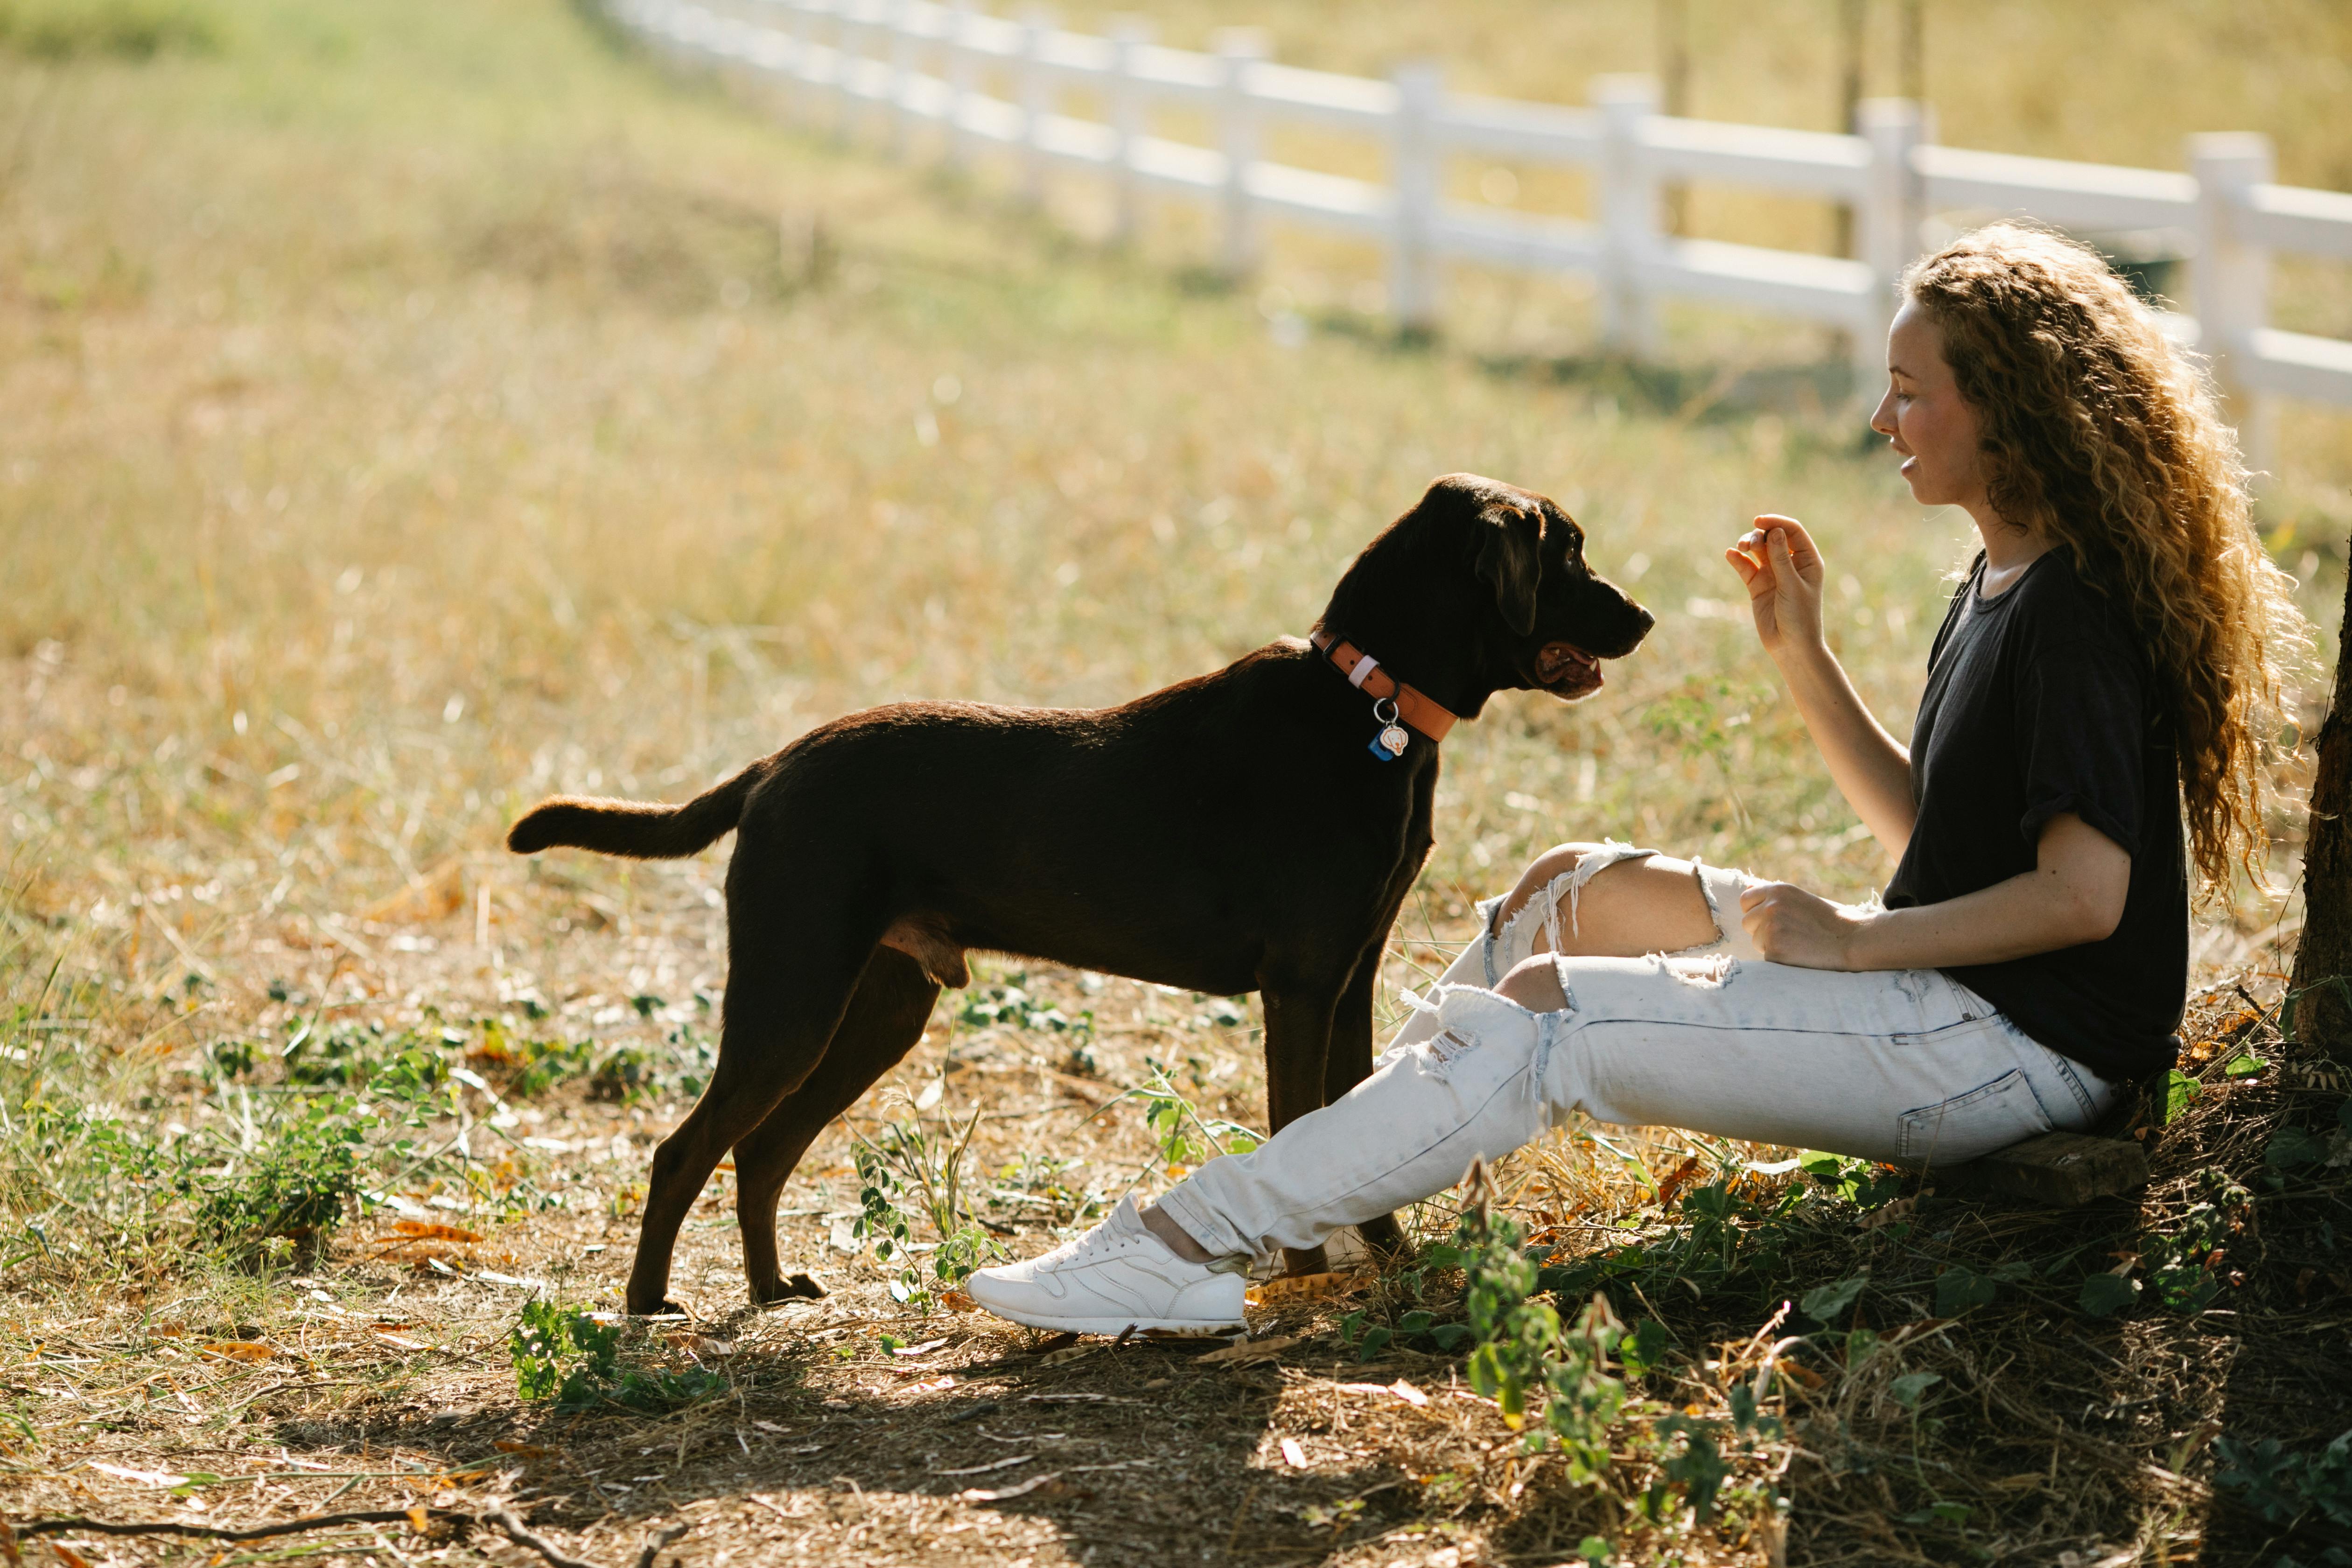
(406,411)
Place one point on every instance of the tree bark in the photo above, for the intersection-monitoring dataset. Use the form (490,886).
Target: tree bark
(2323,962)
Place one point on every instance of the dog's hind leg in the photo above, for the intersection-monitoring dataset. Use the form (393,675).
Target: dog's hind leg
(786,991)
(885,1019)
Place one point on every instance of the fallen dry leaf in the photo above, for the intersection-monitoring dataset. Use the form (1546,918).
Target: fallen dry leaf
(1899,1209)
(1291,1288)
(145,1478)
(1674,1184)
(957,1301)
(1067,1352)
(1293,1454)
(935,1383)
(68,1555)
(426,1230)
(1002,1493)
(241,1350)
(1400,1388)
(527,1450)
(1248,1351)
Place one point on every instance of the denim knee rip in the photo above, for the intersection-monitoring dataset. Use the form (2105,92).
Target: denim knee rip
(1515,941)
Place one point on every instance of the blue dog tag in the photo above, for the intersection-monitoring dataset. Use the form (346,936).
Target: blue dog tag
(1383,752)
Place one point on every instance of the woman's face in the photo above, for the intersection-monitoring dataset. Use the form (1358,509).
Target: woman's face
(1923,416)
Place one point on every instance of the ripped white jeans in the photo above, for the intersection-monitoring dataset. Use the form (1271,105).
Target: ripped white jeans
(1900,1065)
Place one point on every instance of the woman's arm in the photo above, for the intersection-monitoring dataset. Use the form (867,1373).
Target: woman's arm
(2074,894)
(1782,569)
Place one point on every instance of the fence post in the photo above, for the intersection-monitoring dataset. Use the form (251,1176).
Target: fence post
(1415,163)
(960,75)
(1889,231)
(899,18)
(1129,34)
(1238,50)
(1629,214)
(1035,100)
(2232,280)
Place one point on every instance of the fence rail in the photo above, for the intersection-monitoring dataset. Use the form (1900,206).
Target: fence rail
(920,62)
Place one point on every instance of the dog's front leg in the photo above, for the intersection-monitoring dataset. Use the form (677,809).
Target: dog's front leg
(1349,1063)
(1298,1048)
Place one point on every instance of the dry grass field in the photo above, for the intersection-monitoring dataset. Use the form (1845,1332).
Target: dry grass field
(409,410)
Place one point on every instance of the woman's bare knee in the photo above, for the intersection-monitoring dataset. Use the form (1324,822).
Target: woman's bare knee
(1650,905)
(1535,985)
(1554,862)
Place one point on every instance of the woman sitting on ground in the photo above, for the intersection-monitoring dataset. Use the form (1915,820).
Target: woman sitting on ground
(2113,657)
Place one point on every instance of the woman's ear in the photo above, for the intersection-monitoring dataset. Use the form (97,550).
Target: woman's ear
(1510,561)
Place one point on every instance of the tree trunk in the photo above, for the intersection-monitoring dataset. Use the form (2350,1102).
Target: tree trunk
(2323,963)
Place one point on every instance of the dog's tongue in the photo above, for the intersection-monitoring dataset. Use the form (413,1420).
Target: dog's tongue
(1555,662)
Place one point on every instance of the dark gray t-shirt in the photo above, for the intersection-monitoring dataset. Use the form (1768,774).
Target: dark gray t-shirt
(2038,702)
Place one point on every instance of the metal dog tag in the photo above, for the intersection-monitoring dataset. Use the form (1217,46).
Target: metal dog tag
(1395,737)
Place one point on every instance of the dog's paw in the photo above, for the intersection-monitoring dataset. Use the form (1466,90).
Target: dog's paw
(792,1287)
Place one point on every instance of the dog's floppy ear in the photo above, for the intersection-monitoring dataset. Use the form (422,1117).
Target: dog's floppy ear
(1510,560)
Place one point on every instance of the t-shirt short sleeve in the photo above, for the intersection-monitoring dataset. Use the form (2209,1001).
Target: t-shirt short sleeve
(2079,707)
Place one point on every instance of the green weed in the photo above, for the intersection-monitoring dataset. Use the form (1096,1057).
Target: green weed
(289,1182)
(525,1067)
(1008,1004)
(633,1075)
(1035,1182)
(2307,1493)
(126,29)
(915,1170)
(1185,1134)
(565,1355)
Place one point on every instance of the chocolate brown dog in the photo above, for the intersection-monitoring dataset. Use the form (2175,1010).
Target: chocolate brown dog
(1252,829)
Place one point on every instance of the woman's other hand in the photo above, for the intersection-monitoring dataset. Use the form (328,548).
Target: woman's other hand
(1781,566)
(1791,926)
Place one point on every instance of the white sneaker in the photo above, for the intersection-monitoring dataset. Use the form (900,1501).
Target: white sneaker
(1116,1277)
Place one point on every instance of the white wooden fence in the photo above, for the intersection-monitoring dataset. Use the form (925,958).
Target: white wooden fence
(908,61)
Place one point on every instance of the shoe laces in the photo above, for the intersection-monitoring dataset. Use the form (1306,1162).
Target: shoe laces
(1102,1240)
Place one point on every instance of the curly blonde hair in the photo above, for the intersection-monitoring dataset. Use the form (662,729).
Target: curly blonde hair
(2093,426)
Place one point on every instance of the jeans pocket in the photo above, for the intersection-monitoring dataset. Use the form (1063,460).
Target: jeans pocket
(1991,1116)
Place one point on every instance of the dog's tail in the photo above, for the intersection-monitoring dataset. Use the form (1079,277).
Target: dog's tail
(641,830)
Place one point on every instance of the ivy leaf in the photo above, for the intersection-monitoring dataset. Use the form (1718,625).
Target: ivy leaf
(1827,1303)
(1958,1287)
(1645,1347)
(2179,1089)
(2290,1147)
(1908,1388)
(2104,1294)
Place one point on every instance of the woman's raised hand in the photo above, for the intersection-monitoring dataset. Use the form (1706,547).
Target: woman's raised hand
(1782,568)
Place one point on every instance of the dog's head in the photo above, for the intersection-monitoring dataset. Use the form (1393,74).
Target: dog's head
(1483,587)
